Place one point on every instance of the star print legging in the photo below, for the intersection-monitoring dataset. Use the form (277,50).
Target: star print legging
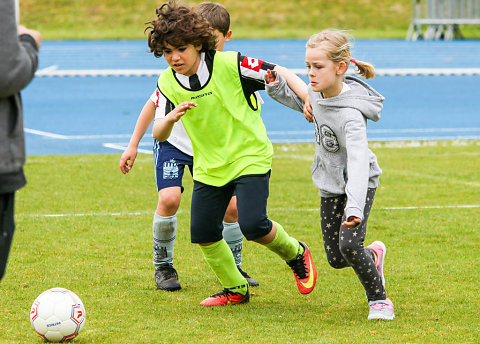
(344,246)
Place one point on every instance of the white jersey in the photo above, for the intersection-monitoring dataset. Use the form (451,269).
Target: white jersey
(178,137)
(252,72)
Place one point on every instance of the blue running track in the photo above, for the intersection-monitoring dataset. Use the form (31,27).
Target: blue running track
(97,114)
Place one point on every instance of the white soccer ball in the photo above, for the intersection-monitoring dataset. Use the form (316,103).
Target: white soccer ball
(57,315)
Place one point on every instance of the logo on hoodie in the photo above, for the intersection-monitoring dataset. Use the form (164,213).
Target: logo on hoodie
(328,139)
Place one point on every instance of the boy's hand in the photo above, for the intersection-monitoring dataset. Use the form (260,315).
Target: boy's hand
(270,78)
(180,110)
(352,222)
(127,160)
(308,110)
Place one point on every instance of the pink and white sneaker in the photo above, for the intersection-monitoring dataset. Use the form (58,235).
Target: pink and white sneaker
(380,250)
(381,309)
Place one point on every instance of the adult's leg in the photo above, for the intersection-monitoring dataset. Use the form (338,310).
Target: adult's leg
(7,227)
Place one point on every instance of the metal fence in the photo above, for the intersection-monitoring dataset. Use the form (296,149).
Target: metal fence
(441,19)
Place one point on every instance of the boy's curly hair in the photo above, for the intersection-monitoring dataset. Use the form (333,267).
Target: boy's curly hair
(178,25)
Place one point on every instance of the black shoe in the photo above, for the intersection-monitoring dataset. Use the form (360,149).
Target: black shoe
(251,281)
(166,278)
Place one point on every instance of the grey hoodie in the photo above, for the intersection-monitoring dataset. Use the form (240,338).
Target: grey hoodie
(343,163)
(18,63)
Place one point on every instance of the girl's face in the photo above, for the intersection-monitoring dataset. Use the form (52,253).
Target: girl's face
(325,75)
(184,60)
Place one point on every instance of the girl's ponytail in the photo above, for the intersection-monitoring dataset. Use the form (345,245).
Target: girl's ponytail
(364,69)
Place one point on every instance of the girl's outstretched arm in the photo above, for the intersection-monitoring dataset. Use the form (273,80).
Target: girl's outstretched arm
(277,88)
(294,82)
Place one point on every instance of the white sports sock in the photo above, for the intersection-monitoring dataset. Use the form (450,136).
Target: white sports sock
(234,238)
(164,232)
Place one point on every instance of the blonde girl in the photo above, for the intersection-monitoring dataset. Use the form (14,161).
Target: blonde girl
(344,170)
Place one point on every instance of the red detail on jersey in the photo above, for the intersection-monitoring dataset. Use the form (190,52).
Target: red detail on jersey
(158,96)
(251,63)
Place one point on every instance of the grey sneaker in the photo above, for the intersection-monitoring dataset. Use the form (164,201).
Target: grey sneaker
(166,278)
(381,309)
(251,281)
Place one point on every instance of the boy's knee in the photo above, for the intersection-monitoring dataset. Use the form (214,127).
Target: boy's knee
(231,215)
(168,203)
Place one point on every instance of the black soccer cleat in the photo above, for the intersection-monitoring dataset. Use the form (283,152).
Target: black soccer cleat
(166,278)
(250,280)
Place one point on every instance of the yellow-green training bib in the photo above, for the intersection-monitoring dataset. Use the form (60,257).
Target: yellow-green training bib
(228,137)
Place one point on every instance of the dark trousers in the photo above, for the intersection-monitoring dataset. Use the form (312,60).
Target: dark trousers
(7,227)
(344,246)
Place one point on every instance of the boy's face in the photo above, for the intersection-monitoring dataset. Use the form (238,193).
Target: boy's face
(221,39)
(184,60)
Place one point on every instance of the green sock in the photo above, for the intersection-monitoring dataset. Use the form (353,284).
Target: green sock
(284,245)
(221,261)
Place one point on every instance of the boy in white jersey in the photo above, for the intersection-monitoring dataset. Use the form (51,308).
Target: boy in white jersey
(170,159)
(232,152)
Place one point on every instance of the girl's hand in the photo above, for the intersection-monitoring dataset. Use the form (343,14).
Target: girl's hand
(352,222)
(308,110)
(270,78)
(180,110)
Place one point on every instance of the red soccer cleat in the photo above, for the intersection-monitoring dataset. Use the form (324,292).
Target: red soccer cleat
(226,297)
(304,270)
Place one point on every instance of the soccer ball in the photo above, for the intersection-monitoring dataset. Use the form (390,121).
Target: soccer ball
(57,315)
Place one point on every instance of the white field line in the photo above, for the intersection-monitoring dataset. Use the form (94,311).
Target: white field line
(423,130)
(53,72)
(423,138)
(47,134)
(123,146)
(48,69)
(439,178)
(76,137)
(141,213)
(136,213)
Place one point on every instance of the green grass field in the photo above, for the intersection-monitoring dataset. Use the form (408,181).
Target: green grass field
(124,19)
(99,245)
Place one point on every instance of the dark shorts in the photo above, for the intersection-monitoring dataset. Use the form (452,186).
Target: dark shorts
(209,204)
(169,164)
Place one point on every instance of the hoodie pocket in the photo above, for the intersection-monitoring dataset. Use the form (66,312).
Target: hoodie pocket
(327,178)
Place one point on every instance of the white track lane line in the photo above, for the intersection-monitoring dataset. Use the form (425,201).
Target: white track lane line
(155,72)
